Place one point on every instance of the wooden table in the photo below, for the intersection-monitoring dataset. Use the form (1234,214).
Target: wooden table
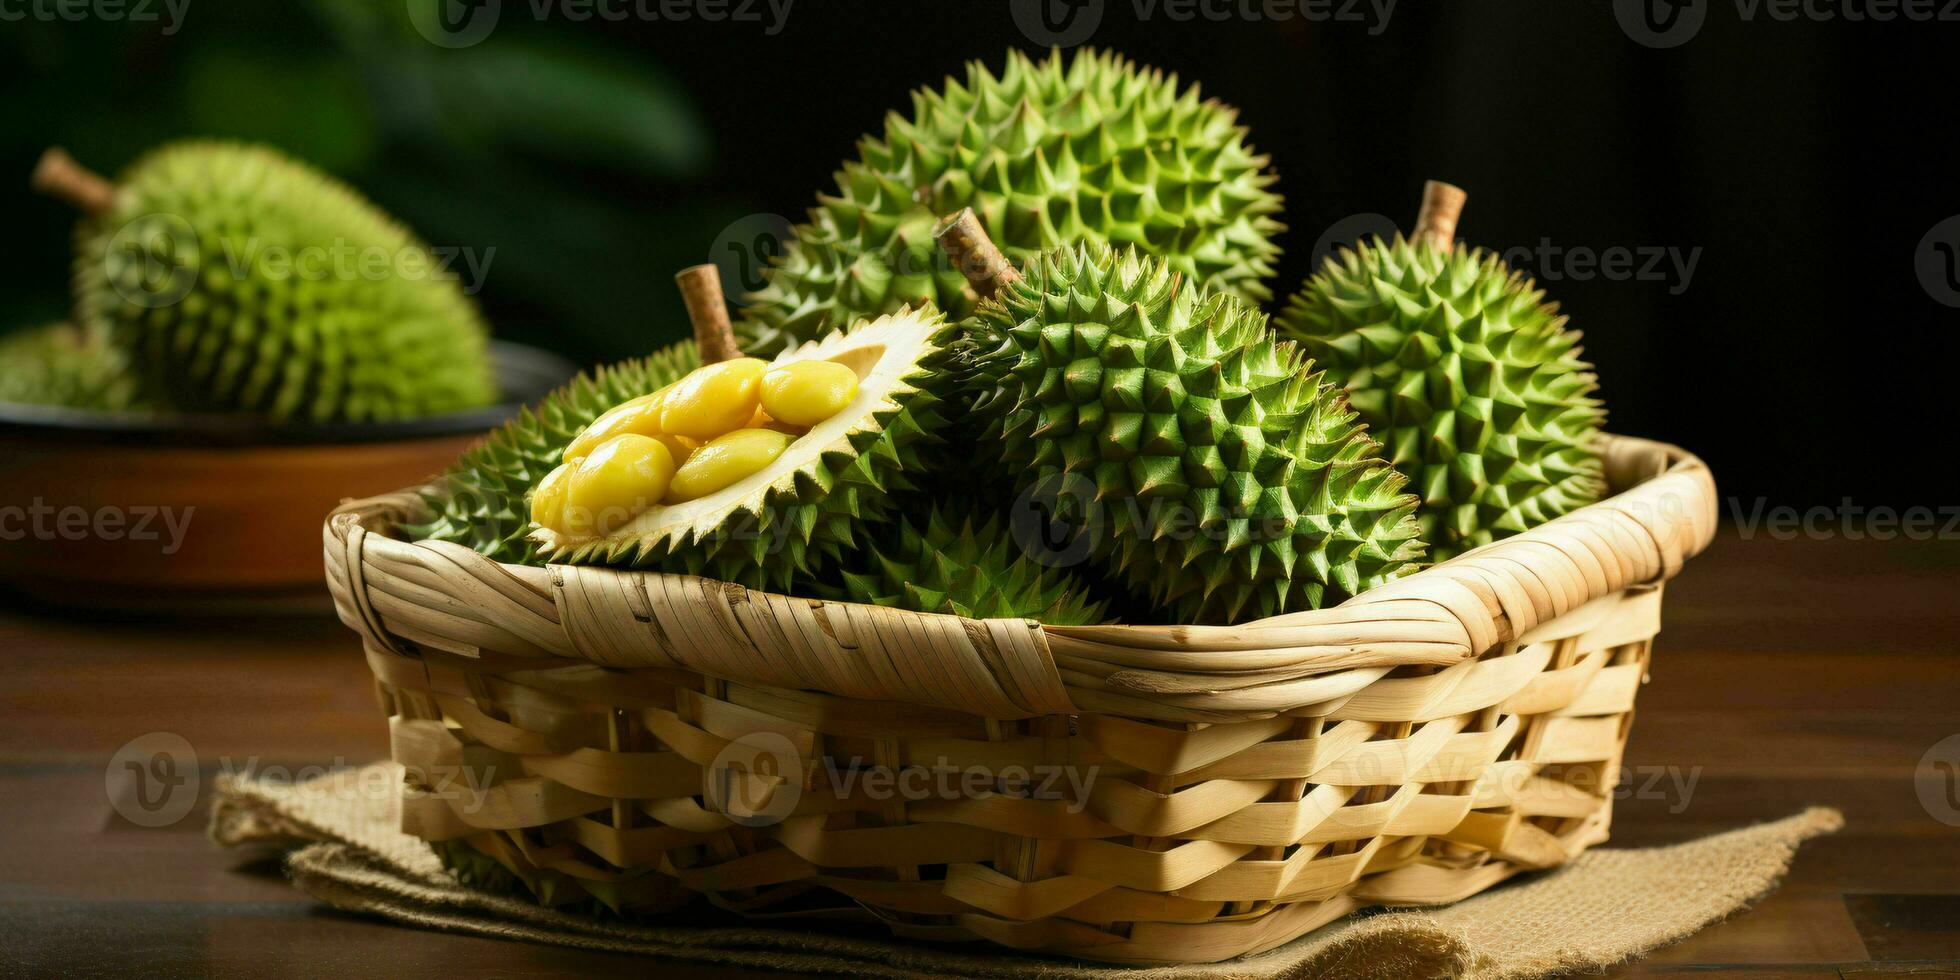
(1789,674)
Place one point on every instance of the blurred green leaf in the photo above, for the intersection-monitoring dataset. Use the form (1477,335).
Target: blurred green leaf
(599,277)
(585,107)
(359,24)
(313,108)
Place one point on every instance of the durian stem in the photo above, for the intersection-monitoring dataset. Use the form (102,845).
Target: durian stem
(714,336)
(973,253)
(1442,205)
(60,177)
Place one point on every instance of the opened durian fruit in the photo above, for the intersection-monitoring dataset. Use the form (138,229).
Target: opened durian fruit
(742,470)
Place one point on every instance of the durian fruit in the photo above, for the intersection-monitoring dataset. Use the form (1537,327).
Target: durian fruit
(638,897)
(1093,148)
(1462,368)
(1204,462)
(243,281)
(482,501)
(63,365)
(962,560)
(795,513)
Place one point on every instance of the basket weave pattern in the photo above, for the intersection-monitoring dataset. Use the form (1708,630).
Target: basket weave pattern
(1125,793)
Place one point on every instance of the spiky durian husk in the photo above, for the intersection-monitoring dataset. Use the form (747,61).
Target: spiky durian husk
(481,502)
(61,364)
(1046,154)
(475,869)
(963,560)
(624,898)
(794,518)
(189,270)
(1210,466)
(1468,375)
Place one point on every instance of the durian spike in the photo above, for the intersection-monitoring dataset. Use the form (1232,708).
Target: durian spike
(1442,204)
(973,253)
(60,177)
(714,336)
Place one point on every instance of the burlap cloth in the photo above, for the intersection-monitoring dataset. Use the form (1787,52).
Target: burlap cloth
(1605,907)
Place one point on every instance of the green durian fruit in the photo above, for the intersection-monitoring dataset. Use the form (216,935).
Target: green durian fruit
(796,516)
(958,559)
(62,365)
(481,502)
(1205,462)
(243,281)
(1467,374)
(641,897)
(475,869)
(1046,153)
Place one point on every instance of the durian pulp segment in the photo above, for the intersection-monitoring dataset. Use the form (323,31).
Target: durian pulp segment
(727,459)
(804,393)
(882,353)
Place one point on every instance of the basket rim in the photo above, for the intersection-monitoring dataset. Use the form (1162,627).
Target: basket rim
(1664,511)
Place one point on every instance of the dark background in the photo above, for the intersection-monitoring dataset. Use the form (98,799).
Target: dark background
(1805,160)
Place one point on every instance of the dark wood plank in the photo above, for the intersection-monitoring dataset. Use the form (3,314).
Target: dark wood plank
(1907,927)
(1796,925)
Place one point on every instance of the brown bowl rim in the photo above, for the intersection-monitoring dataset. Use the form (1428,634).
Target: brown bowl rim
(524,375)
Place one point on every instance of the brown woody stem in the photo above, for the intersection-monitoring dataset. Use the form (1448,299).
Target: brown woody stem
(60,177)
(1442,205)
(714,336)
(973,253)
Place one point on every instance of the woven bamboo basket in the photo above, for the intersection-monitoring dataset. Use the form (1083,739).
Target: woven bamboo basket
(1136,794)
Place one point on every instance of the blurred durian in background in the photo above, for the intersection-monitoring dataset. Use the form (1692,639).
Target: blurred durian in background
(471,148)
